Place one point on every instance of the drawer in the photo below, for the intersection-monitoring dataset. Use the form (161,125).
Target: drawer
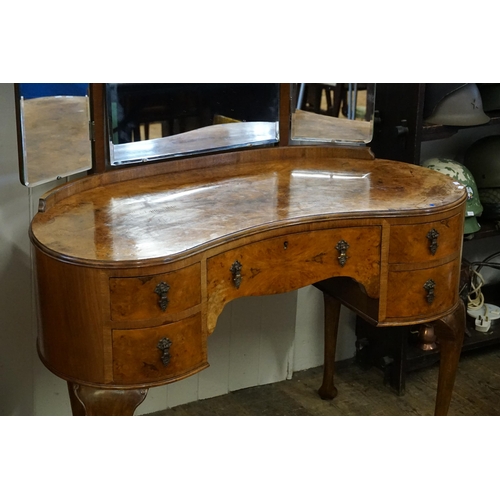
(150,297)
(424,292)
(285,263)
(426,242)
(137,353)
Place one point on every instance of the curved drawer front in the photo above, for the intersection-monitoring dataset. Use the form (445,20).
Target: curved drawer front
(286,263)
(425,242)
(424,292)
(150,297)
(163,353)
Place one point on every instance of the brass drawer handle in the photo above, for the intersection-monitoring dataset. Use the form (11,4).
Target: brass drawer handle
(342,247)
(432,236)
(236,272)
(429,286)
(164,346)
(161,289)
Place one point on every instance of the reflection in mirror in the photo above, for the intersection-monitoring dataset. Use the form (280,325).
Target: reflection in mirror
(53,126)
(338,113)
(152,121)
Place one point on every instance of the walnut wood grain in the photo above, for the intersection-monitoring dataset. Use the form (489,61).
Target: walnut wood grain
(137,299)
(137,358)
(103,244)
(410,242)
(414,302)
(162,217)
(292,261)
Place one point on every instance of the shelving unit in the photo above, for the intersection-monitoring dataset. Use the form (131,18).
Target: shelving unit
(399,133)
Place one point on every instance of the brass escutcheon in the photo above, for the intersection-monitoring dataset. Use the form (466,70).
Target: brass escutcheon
(342,247)
(429,286)
(236,272)
(432,236)
(161,289)
(164,346)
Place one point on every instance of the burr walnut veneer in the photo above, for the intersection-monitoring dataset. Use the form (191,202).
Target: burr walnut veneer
(135,265)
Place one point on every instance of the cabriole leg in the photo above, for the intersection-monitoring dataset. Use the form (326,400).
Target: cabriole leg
(450,335)
(94,401)
(332,314)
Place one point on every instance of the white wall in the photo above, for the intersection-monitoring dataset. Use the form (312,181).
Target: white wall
(257,340)
(16,341)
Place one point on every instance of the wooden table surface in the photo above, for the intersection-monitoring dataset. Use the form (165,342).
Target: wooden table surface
(168,216)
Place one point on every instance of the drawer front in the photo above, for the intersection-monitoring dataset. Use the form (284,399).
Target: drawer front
(424,292)
(150,297)
(289,262)
(167,352)
(426,242)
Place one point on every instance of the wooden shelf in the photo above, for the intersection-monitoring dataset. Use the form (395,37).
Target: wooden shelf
(435,132)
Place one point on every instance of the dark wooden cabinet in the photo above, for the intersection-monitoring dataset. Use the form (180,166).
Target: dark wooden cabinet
(400,133)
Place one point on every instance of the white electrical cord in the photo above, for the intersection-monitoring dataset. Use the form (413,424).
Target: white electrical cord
(475,299)
(477,308)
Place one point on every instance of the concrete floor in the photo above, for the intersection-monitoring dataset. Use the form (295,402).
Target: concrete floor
(361,391)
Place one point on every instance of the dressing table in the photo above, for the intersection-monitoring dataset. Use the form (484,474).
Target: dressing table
(134,265)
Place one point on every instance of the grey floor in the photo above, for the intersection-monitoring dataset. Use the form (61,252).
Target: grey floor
(362,391)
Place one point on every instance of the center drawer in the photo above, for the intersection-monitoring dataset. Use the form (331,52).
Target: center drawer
(286,263)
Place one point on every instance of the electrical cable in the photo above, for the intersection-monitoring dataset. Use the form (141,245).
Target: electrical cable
(475,298)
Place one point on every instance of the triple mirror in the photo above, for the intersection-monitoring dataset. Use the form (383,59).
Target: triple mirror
(153,121)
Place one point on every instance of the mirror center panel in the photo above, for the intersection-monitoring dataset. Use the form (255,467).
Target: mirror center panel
(161,120)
